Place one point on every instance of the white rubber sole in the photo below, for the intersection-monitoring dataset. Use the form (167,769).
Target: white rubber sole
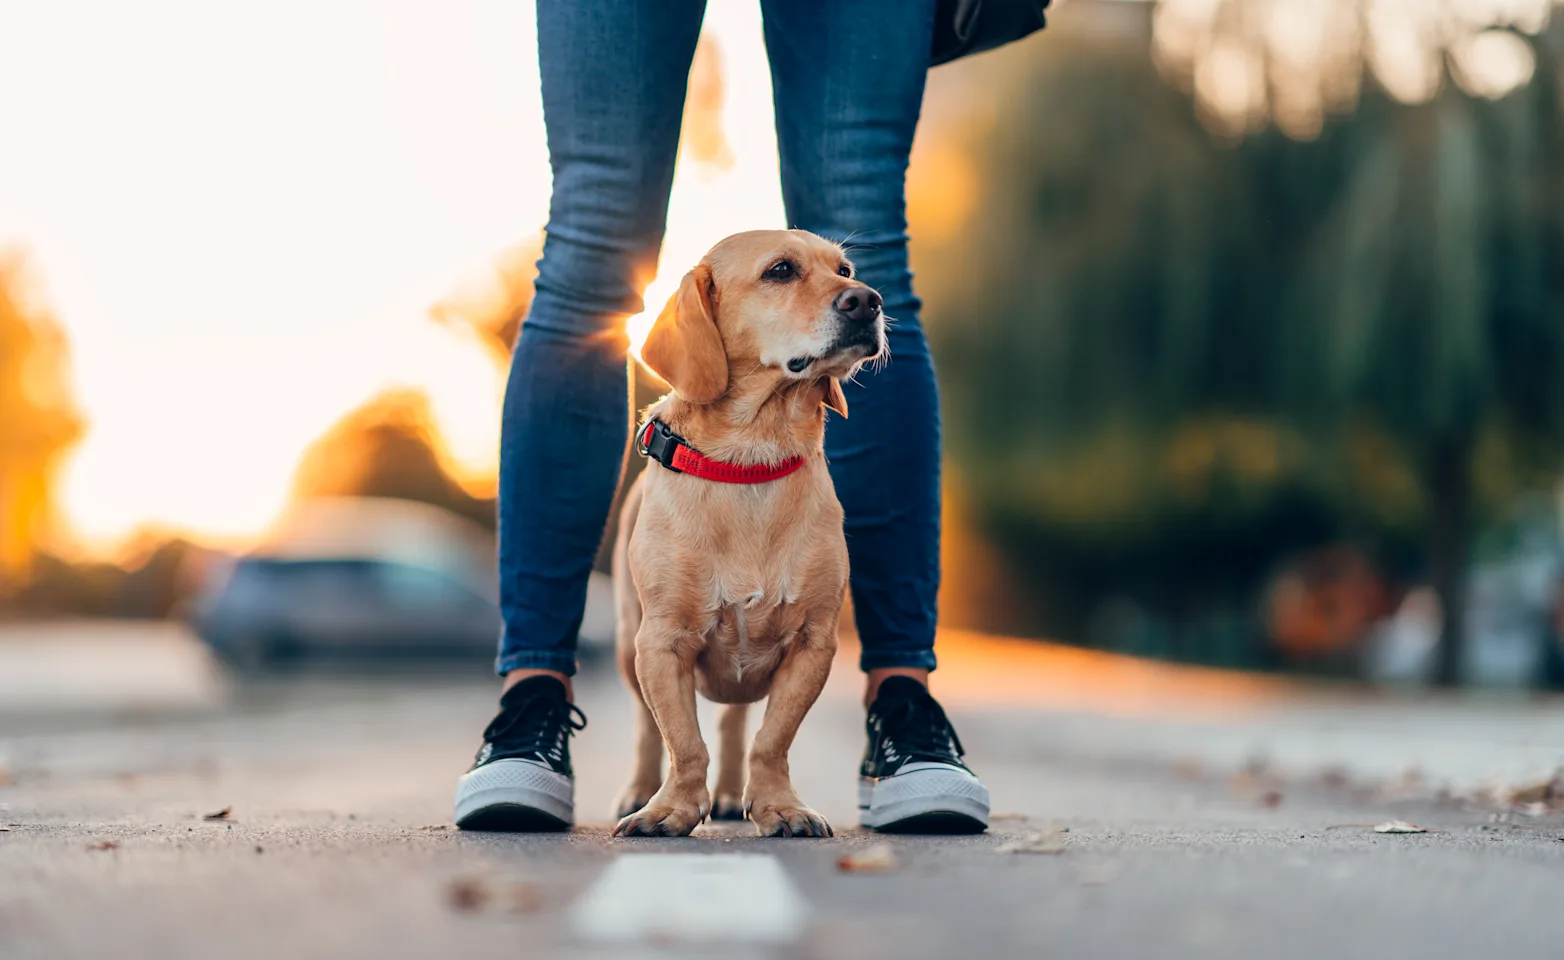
(518,795)
(924,798)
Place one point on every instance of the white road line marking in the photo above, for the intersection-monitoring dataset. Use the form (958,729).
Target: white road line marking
(692,898)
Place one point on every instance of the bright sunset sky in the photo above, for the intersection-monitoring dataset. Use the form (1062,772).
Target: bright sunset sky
(242,213)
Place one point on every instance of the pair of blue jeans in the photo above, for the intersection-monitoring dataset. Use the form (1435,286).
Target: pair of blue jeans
(848,79)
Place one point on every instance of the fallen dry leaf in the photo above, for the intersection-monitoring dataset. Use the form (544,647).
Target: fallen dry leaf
(1045,841)
(469,894)
(1548,793)
(879,858)
(1398,826)
(222,814)
(474,894)
(1271,799)
(104,845)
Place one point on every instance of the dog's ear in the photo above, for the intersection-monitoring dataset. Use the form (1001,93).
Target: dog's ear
(834,399)
(684,346)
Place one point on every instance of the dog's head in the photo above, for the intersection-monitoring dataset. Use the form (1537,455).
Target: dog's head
(772,306)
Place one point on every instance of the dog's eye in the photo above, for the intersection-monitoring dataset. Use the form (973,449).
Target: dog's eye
(845,270)
(782,270)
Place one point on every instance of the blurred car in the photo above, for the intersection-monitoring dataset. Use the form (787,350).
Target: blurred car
(368,577)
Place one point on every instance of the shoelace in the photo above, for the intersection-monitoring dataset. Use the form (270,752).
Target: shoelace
(538,725)
(918,727)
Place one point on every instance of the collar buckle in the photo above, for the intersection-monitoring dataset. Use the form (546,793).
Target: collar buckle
(657,442)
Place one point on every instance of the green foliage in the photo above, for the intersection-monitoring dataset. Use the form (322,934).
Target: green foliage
(1171,361)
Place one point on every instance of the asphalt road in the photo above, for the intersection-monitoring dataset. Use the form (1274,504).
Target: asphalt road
(338,844)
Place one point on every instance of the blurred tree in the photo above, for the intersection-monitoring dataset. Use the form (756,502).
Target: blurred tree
(158,574)
(1229,350)
(1295,62)
(59,587)
(38,419)
(1435,293)
(388,447)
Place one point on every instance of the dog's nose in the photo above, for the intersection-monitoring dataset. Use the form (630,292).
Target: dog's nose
(859,304)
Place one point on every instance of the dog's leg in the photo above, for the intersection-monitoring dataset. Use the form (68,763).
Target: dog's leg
(668,685)
(769,797)
(646,769)
(728,801)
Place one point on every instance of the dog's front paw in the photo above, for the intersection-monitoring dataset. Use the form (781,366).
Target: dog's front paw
(665,816)
(788,818)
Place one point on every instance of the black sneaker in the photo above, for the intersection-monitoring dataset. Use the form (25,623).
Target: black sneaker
(912,779)
(521,778)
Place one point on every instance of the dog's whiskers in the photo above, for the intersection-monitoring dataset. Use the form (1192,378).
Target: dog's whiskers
(880,360)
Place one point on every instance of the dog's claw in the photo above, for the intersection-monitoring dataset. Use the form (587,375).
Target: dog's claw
(632,798)
(630,804)
(790,822)
(659,822)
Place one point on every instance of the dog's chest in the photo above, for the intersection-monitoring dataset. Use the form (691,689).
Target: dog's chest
(743,646)
(744,567)
(754,614)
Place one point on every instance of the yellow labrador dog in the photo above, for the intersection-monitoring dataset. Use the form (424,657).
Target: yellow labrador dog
(730,566)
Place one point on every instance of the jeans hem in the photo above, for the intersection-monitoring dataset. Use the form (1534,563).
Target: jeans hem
(536,660)
(881,659)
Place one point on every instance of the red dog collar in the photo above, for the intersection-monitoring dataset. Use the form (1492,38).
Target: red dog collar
(659,443)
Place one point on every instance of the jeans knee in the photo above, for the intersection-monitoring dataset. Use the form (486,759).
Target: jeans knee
(854,182)
(600,247)
(588,283)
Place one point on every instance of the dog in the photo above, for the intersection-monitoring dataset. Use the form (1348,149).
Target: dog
(730,565)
